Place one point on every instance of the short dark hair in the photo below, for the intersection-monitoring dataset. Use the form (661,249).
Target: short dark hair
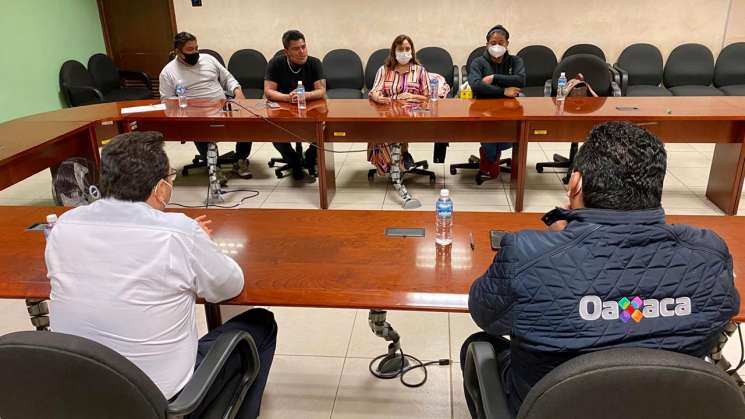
(498,29)
(291,35)
(132,164)
(181,39)
(622,166)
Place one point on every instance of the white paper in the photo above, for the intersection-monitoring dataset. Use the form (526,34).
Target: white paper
(148,108)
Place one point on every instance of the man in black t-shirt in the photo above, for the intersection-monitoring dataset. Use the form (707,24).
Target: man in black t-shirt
(282,75)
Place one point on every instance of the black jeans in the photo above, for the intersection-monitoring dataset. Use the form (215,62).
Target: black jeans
(242,149)
(502,350)
(260,324)
(295,160)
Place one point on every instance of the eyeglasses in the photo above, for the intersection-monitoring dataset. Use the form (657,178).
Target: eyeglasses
(171,176)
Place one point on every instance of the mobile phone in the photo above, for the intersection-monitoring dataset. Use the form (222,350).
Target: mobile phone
(272,105)
(404,232)
(627,108)
(37,227)
(552,216)
(495,237)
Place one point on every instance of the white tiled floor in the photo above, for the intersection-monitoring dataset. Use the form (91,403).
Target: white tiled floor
(321,366)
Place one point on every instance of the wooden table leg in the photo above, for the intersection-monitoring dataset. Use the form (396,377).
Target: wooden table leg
(326,168)
(214,318)
(519,168)
(726,177)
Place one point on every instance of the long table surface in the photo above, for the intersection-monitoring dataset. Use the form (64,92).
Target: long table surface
(334,258)
(719,120)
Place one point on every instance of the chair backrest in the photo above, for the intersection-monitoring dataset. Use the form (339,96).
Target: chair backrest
(594,69)
(584,49)
(643,62)
(248,66)
(214,54)
(689,64)
(472,56)
(343,70)
(47,374)
(618,383)
(376,60)
(73,73)
(540,63)
(104,72)
(730,66)
(437,60)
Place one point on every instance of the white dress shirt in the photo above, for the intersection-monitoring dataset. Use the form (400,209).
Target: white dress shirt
(127,276)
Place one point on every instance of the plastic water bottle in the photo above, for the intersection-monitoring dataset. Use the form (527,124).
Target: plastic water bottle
(300,96)
(434,87)
(181,93)
(561,85)
(444,224)
(51,220)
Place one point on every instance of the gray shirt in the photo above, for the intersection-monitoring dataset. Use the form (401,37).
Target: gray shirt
(207,79)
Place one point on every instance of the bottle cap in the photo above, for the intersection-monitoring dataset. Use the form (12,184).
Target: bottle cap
(299,82)
(563,74)
(51,218)
(444,193)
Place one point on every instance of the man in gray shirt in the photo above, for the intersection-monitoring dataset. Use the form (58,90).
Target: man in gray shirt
(204,78)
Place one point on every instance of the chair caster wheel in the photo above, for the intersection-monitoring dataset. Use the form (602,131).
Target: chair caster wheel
(184,172)
(479,180)
(425,166)
(271,164)
(432,180)
(539,169)
(453,171)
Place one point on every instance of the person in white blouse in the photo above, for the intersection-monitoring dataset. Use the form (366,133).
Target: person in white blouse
(127,275)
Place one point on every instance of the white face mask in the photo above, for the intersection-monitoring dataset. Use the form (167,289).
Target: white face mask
(497,51)
(403,57)
(164,203)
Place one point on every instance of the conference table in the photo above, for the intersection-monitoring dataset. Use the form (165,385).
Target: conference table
(334,258)
(32,143)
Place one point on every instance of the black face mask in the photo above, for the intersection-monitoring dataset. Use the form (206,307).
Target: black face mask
(191,59)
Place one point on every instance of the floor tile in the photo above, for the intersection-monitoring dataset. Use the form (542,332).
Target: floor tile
(542,200)
(301,387)
(423,334)
(461,327)
(697,176)
(14,316)
(685,159)
(313,331)
(363,396)
(460,408)
(307,197)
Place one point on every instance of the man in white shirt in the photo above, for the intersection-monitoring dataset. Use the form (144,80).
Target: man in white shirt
(204,78)
(127,275)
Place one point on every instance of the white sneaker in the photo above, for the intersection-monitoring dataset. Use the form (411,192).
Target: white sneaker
(241,169)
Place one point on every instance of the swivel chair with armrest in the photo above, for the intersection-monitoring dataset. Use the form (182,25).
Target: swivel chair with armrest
(77,86)
(111,81)
(56,375)
(609,384)
(640,67)
(598,74)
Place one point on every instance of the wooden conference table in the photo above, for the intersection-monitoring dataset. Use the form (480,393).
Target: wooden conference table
(316,258)
(28,144)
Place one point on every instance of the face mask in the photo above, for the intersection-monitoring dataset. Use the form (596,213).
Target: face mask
(403,57)
(191,59)
(164,203)
(497,51)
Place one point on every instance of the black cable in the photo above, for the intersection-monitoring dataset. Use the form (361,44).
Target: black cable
(742,353)
(207,205)
(297,137)
(417,363)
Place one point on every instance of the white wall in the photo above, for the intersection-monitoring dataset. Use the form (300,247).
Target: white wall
(459,26)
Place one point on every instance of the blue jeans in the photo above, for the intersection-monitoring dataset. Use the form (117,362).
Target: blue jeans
(492,149)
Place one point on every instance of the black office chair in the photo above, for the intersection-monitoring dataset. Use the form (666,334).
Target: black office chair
(437,60)
(344,76)
(641,70)
(610,384)
(599,75)
(213,53)
(77,86)
(477,52)
(248,66)
(111,81)
(285,169)
(540,63)
(729,71)
(689,71)
(374,62)
(584,49)
(55,375)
